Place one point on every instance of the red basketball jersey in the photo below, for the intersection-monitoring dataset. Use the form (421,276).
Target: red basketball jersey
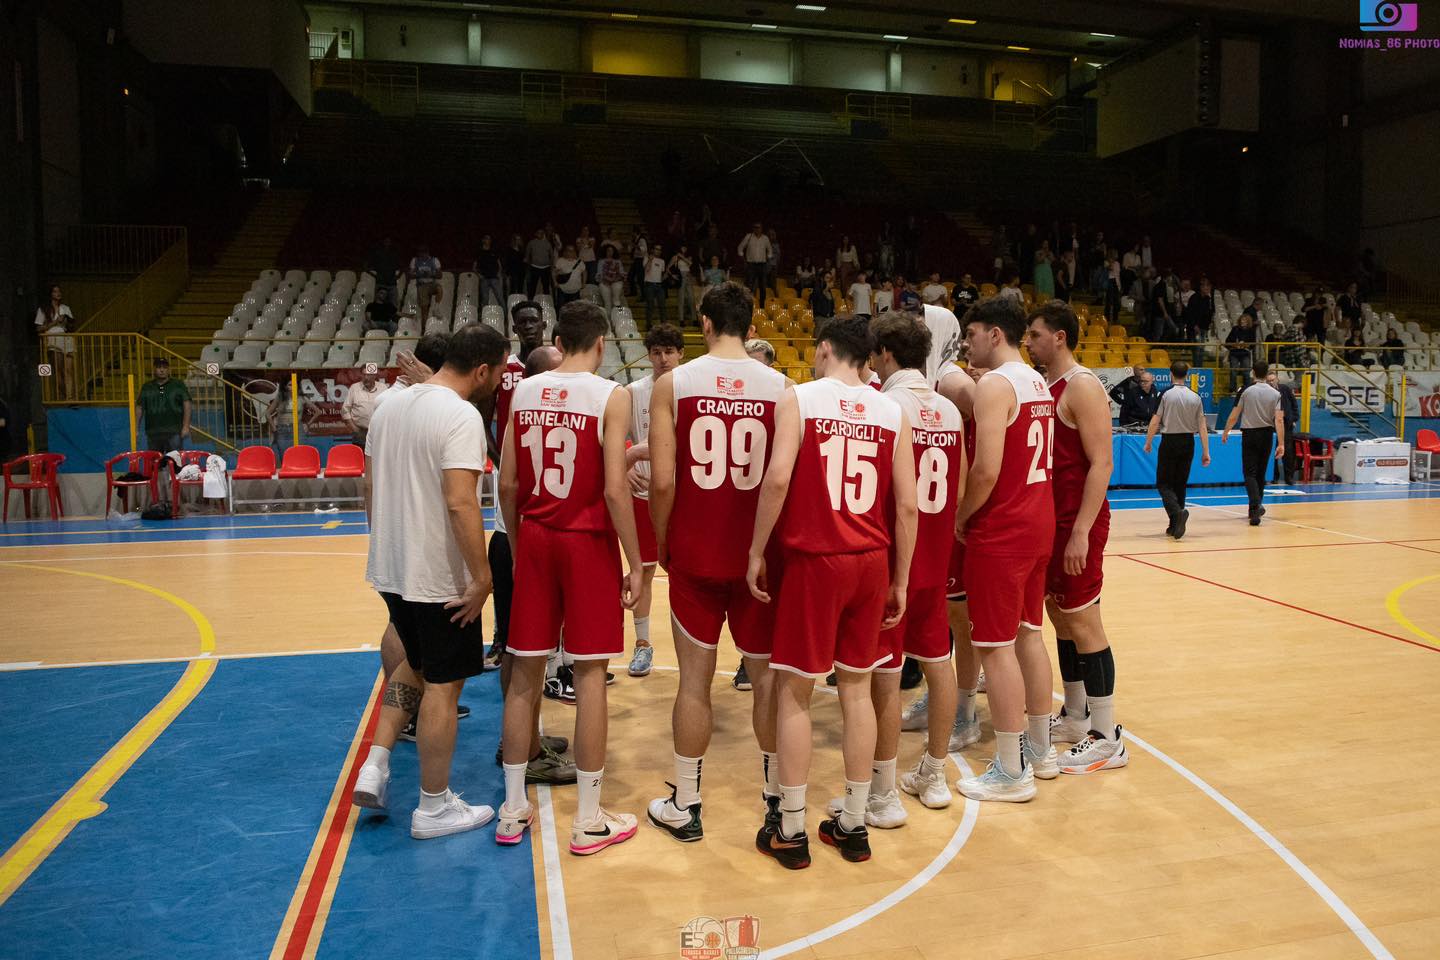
(1019,516)
(936,432)
(839,497)
(724,428)
(509,380)
(1071,463)
(558,420)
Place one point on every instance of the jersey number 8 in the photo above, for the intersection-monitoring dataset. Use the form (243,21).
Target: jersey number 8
(738,453)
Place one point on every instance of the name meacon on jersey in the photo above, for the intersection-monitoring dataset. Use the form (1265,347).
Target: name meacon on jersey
(724,427)
(839,497)
(558,419)
(1018,518)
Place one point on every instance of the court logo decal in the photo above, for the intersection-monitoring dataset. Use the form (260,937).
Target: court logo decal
(734,938)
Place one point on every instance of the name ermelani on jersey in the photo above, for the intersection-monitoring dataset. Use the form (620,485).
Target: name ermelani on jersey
(552,418)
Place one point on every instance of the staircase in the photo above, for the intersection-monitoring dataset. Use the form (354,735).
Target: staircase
(213,292)
(1293,277)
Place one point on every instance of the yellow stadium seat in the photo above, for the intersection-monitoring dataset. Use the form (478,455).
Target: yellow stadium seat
(988,289)
(1116,330)
(809,353)
(781,318)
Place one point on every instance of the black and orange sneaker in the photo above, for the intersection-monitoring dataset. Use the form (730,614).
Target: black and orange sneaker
(792,854)
(854,845)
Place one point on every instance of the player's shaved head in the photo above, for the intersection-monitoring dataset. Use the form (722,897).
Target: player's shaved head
(542,359)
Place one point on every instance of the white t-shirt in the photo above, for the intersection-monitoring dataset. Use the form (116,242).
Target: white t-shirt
(945,337)
(413,437)
(860,296)
(569,274)
(1013,293)
(932,293)
(884,300)
(654,269)
(43,322)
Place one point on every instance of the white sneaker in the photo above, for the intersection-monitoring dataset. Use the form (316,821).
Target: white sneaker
(456,816)
(1096,753)
(916,716)
(371,787)
(964,733)
(1068,729)
(931,789)
(996,784)
(1046,765)
(512,824)
(604,831)
(882,810)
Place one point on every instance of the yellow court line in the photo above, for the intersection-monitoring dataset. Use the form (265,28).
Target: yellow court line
(330,525)
(83,800)
(1392,603)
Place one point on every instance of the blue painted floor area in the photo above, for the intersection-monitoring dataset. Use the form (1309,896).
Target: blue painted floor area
(205,837)
(57,723)
(459,896)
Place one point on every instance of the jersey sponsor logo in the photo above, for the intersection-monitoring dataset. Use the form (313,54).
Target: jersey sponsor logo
(931,418)
(855,411)
(730,387)
(730,408)
(554,396)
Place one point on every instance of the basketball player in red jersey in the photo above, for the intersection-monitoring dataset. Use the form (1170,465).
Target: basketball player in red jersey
(563,490)
(842,463)
(712,426)
(1007,520)
(902,343)
(1082,526)
(665,346)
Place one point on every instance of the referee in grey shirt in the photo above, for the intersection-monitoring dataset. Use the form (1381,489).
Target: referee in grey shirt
(1262,422)
(1180,416)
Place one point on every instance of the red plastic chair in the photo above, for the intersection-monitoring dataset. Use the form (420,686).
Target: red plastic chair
(253,463)
(146,463)
(187,457)
(345,460)
(1428,443)
(1307,457)
(300,463)
(43,470)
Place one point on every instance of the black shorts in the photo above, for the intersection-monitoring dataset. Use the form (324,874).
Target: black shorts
(435,648)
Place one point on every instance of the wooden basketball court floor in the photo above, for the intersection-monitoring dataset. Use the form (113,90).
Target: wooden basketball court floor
(183,707)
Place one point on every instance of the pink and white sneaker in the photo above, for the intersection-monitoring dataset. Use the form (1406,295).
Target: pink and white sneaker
(604,831)
(511,826)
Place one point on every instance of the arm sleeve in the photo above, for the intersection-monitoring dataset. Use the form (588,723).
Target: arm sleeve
(464,447)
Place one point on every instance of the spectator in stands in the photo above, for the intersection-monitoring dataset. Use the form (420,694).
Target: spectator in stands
(385,264)
(909,247)
(678,231)
(1294,355)
(804,276)
(425,275)
(1199,311)
(772,264)
(585,249)
(1097,264)
(965,294)
(514,264)
(1394,353)
(884,299)
(539,260)
(639,251)
(934,291)
(761,350)
(861,296)
(1290,411)
(999,250)
(1140,294)
(847,262)
(822,301)
(885,244)
(381,314)
(1136,396)
(680,273)
(710,245)
(1348,304)
(754,250)
(360,404)
(1241,344)
(654,285)
(1025,252)
(1315,316)
(1044,274)
(1163,328)
(714,274)
(1130,267)
(1012,290)
(54,317)
(1147,258)
(1354,350)
(1112,286)
(1065,276)
(569,276)
(612,278)
(906,296)
(487,266)
(163,410)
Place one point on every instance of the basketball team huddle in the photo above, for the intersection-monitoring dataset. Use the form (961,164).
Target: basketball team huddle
(897,506)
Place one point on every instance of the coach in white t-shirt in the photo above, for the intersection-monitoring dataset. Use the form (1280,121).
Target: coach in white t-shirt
(423,458)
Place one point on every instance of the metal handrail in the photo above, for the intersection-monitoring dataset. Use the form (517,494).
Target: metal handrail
(110,248)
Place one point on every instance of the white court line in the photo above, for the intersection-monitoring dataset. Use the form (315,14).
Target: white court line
(42,665)
(208,553)
(1292,523)
(1331,898)
(560,947)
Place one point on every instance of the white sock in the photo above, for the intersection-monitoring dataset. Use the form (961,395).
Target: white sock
(931,766)
(771,768)
(792,811)
(1075,699)
(515,785)
(852,815)
(1102,715)
(552,665)
(882,777)
(967,706)
(1037,730)
(378,757)
(642,630)
(588,809)
(433,802)
(1007,752)
(687,780)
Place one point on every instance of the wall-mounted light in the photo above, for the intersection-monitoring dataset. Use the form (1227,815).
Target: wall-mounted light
(763,26)
(962,22)
(813,7)
(1108,36)
(894,36)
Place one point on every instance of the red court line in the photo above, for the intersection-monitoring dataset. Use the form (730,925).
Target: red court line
(1281,546)
(309,907)
(1288,606)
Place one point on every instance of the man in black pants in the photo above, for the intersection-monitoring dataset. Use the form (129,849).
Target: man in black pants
(1290,408)
(1262,423)
(1180,416)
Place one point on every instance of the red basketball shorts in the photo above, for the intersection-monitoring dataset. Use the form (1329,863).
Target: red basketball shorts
(923,633)
(699,605)
(955,586)
(1004,591)
(649,551)
(571,579)
(830,608)
(1073,593)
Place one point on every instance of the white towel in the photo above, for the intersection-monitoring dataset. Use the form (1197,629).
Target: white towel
(216,482)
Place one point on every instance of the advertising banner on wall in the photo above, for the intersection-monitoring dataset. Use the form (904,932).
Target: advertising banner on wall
(1353,392)
(1422,393)
(322,393)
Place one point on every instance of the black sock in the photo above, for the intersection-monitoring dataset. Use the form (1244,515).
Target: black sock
(1069,660)
(1098,671)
